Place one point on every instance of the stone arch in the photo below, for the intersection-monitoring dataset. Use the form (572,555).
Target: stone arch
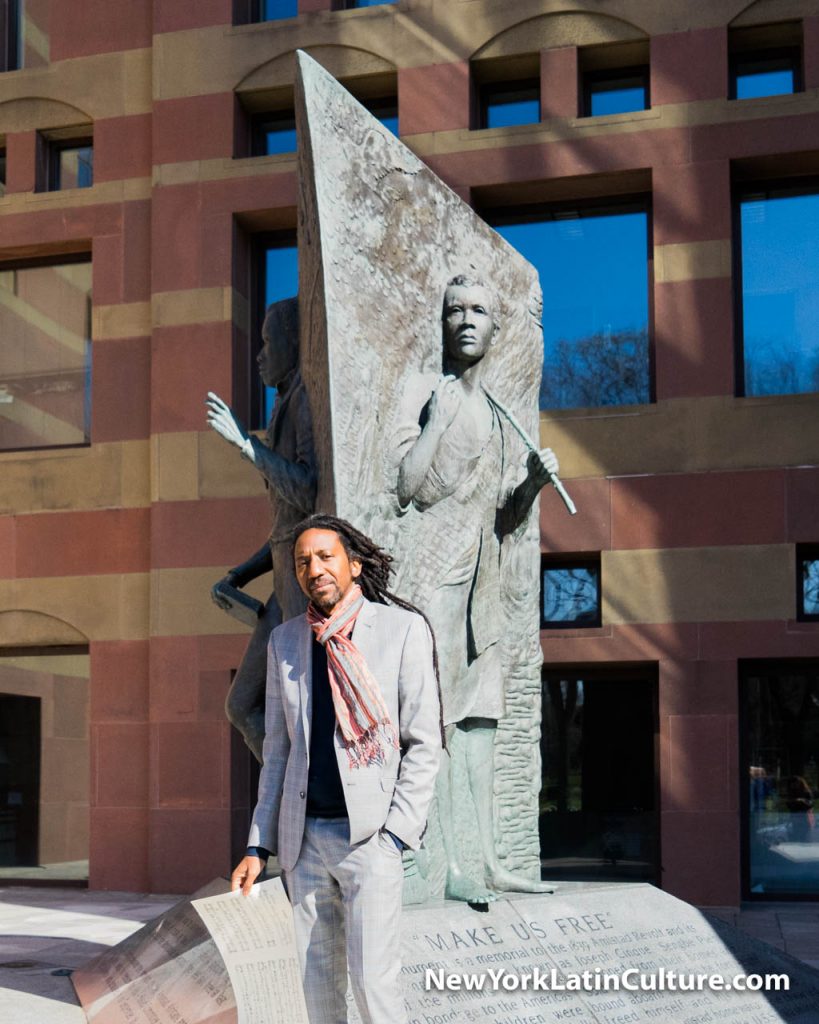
(29,628)
(763,12)
(343,62)
(27,112)
(563,28)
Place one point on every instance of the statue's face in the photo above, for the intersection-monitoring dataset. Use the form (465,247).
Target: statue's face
(279,353)
(468,325)
(324,570)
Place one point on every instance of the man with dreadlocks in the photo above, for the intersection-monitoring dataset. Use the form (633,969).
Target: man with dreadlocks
(351,750)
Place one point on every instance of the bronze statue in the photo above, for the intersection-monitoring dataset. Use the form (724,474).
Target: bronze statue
(454,450)
(286,460)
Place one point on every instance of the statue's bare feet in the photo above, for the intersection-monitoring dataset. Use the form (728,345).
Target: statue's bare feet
(507,881)
(459,887)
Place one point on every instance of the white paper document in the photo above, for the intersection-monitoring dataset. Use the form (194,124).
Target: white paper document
(255,937)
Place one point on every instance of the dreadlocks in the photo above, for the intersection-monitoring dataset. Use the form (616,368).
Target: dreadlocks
(376,568)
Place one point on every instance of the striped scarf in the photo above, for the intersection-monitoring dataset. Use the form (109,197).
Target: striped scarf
(360,709)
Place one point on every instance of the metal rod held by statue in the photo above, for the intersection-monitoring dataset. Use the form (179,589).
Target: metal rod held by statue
(556,481)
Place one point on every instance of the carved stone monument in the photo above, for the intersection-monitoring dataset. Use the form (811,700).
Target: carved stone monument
(421,356)
(528,960)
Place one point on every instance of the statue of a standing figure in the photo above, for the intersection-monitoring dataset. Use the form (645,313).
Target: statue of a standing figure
(454,454)
(286,460)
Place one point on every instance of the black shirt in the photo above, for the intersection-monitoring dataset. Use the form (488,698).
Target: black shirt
(325,793)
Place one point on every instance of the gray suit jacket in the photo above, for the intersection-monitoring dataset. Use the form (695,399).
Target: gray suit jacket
(395,795)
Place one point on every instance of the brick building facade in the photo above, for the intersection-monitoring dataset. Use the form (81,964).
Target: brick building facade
(113,528)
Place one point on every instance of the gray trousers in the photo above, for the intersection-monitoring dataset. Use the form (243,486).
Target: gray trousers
(347,913)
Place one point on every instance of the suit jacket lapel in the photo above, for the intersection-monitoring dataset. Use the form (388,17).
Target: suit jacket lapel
(363,631)
(304,670)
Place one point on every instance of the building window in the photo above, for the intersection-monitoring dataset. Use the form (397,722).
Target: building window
(350,5)
(778,290)
(11,35)
(614,79)
(780,732)
(45,358)
(384,109)
(248,11)
(69,164)
(46,764)
(615,92)
(598,802)
(570,591)
(594,266)
(2,172)
(277,277)
(765,61)
(273,133)
(807,582)
(503,104)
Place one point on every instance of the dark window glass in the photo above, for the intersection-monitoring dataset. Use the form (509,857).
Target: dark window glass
(273,133)
(780,708)
(765,73)
(70,165)
(352,4)
(11,35)
(807,582)
(593,266)
(509,103)
(273,10)
(278,279)
(779,239)
(598,808)
(2,172)
(570,592)
(386,110)
(615,92)
(45,358)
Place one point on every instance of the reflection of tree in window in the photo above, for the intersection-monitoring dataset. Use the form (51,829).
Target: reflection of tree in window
(810,586)
(569,595)
(593,266)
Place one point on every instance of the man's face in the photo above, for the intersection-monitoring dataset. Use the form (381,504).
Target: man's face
(279,353)
(467,322)
(323,568)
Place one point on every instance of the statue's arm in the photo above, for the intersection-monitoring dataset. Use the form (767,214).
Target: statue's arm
(539,468)
(257,565)
(443,404)
(240,575)
(293,480)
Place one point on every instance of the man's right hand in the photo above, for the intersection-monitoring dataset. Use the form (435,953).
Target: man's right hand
(245,874)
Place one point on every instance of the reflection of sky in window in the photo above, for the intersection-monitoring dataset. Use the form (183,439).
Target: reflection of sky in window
(503,112)
(370,3)
(609,98)
(780,294)
(810,586)
(594,274)
(281,139)
(570,595)
(751,84)
(271,10)
(281,281)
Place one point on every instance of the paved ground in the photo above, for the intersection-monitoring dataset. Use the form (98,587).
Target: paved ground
(45,932)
